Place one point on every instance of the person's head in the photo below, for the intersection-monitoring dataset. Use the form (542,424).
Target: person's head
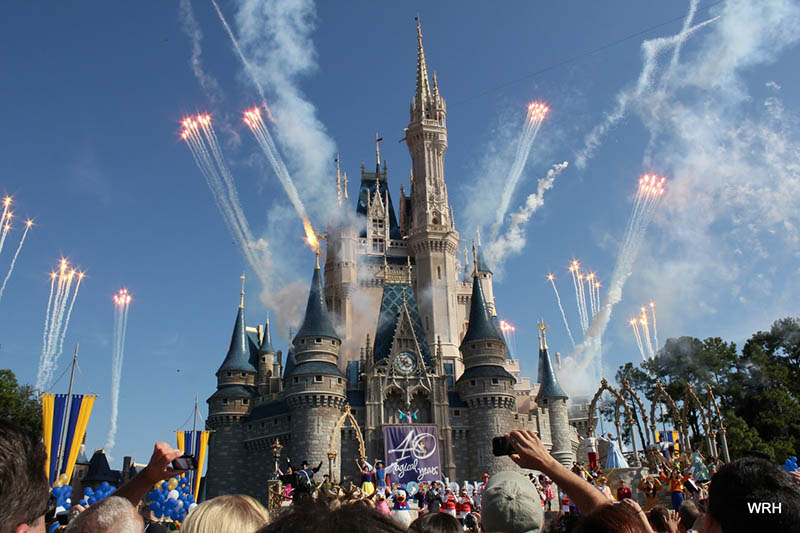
(748,482)
(378,464)
(622,483)
(435,523)
(289,469)
(318,517)
(566,524)
(658,516)
(676,474)
(511,504)
(304,465)
(485,477)
(688,512)
(620,518)
(111,515)
(602,480)
(24,490)
(326,477)
(238,513)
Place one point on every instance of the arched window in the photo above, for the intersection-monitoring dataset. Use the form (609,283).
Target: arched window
(422,405)
(393,405)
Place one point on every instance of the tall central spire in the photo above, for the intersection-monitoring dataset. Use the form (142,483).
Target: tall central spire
(423,95)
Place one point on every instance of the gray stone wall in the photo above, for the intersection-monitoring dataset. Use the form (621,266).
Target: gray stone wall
(560,431)
(226,461)
(312,426)
(486,423)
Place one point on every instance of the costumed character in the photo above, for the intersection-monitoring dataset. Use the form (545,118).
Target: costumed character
(305,479)
(547,487)
(481,488)
(381,476)
(366,470)
(591,447)
(381,504)
(615,459)
(650,486)
(400,510)
(564,500)
(675,481)
(463,505)
(289,480)
(449,502)
(623,491)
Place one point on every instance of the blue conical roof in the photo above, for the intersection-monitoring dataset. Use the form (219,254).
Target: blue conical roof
(480,325)
(266,341)
(290,363)
(238,357)
(317,321)
(483,266)
(550,388)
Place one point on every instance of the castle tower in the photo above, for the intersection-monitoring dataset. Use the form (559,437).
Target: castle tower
(341,268)
(485,386)
(486,275)
(266,363)
(553,398)
(228,406)
(432,237)
(315,387)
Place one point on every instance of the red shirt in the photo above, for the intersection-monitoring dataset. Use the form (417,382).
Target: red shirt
(449,503)
(464,506)
(623,492)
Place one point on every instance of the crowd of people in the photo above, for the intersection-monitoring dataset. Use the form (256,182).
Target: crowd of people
(506,502)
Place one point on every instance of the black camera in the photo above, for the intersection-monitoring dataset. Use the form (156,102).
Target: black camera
(502,446)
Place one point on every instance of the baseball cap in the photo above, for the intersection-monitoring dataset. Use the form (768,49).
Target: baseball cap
(511,504)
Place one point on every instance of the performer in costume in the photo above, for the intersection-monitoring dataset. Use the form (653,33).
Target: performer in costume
(650,486)
(615,459)
(449,502)
(591,447)
(463,505)
(400,511)
(481,488)
(623,491)
(366,470)
(381,476)
(676,482)
(602,486)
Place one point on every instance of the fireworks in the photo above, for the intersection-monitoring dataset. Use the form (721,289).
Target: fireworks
(647,347)
(122,300)
(510,333)
(198,133)
(552,279)
(537,111)
(252,118)
(57,318)
(650,190)
(581,282)
(28,224)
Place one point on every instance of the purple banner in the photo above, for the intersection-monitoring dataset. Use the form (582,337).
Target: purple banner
(412,453)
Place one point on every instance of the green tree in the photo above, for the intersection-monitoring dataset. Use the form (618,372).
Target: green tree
(19,403)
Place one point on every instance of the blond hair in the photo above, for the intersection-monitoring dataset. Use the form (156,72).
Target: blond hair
(236,513)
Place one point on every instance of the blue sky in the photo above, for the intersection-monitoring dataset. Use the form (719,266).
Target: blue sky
(93,97)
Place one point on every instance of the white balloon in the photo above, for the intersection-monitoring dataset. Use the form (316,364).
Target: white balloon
(192,506)
(180,504)
(173,495)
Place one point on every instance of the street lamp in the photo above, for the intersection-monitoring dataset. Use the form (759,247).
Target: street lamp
(276,453)
(331,459)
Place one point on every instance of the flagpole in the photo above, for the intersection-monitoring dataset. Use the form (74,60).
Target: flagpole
(66,413)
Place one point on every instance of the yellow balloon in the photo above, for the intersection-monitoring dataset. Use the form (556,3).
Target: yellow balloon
(172,483)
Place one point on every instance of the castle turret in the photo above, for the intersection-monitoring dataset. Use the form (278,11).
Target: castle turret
(266,361)
(432,236)
(553,398)
(315,387)
(229,405)
(485,386)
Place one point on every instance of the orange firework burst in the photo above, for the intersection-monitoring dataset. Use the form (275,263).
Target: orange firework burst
(122,298)
(651,185)
(537,110)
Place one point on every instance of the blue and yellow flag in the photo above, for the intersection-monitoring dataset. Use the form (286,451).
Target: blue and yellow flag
(79,414)
(197,446)
(53,407)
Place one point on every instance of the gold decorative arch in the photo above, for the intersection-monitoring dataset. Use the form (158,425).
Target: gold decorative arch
(626,387)
(662,394)
(620,396)
(347,415)
(689,399)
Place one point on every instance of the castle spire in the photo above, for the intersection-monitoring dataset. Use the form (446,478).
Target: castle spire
(423,95)
(266,340)
(480,326)
(317,321)
(238,356)
(549,388)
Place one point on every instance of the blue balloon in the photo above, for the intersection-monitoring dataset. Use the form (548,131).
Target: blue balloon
(164,485)
(83,502)
(88,491)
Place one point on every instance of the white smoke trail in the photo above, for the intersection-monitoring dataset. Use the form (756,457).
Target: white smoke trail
(635,326)
(192,30)
(647,339)
(533,122)
(655,324)
(561,308)
(4,229)
(66,320)
(651,50)
(514,239)
(14,260)
(42,357)
(239,51)
(117,357)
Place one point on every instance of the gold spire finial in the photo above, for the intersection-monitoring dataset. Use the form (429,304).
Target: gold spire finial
(316,252)
(241,299)
(378,140)
(542,335)
(474,261)
(478,235)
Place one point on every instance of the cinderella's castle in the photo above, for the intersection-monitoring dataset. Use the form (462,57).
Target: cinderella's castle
(400,325)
